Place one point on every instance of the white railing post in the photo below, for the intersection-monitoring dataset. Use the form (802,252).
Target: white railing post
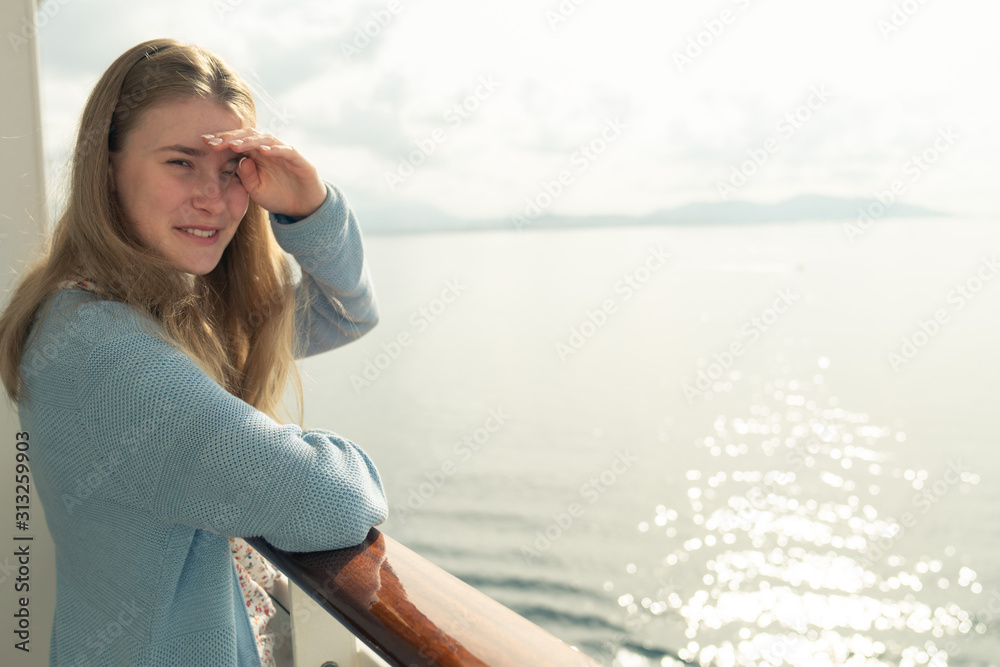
(318,639)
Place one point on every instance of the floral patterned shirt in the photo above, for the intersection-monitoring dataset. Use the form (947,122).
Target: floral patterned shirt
(257,577)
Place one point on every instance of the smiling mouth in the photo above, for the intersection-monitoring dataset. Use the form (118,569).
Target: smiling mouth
(205,234)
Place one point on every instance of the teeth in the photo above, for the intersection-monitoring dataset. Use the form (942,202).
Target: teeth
(198,232)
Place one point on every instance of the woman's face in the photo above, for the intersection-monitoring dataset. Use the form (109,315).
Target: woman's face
(182,200)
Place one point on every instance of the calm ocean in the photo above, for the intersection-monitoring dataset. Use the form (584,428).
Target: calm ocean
(726,445)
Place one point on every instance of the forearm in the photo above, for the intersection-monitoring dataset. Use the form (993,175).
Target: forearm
(329,248)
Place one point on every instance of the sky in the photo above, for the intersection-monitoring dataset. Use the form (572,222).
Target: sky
(477,110)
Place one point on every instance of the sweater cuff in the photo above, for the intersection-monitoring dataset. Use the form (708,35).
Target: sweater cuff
(282,219)
(313,234)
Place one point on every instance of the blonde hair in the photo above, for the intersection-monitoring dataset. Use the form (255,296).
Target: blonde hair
(236,322)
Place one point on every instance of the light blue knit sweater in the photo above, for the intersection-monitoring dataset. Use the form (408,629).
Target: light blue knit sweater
(146,467)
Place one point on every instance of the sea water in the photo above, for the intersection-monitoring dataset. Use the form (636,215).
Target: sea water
(774,445)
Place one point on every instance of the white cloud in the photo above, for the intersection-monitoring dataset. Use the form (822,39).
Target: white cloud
(558,85)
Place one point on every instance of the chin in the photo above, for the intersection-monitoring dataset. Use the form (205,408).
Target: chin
(199,269)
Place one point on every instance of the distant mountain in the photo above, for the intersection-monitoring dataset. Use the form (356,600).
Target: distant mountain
(421,218)
(802,207)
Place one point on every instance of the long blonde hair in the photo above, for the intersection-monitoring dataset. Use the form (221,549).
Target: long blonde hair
(236,322)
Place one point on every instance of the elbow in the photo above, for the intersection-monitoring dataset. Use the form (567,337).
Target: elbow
(359,315)
(346,529)
(373,508)
(375,503)
(368,326)
(382,511)
(363,325)
(360,534)
(372,320)
(355,330)
(376,512)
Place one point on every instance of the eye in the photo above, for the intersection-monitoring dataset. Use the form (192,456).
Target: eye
(227,178)
(179,162)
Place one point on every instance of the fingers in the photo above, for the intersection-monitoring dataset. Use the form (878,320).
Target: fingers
(246,167)
(276,175)
(244,140)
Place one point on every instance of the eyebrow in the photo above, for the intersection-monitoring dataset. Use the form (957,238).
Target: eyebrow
(190,150)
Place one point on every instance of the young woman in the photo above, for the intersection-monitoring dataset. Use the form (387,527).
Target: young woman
(148,350)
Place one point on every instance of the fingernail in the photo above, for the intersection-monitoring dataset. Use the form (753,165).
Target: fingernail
(265,148)
(215,142)
(235,142)
(207,136)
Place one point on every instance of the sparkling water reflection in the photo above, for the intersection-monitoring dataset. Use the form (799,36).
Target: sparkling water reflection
(791,558)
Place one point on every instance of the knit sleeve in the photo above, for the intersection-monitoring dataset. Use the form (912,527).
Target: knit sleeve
(335,299)
(185,450)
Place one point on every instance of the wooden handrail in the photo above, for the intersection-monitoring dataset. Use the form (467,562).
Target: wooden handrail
(411,612)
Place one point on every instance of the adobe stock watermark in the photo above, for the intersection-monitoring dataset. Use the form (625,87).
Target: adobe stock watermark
(748,507)
(7,569)
(805,450)
(752,330)
(983,617)
(85,487)
(928,498)
(456,114)
(373,25)
(774,649)
(99,641)
(463,450)
(223,7)
(610,647)
(420,320)
(44,12)
(96,474)
(562,12)
(914,168)
(435,651)
(702,41)
(581,159)
(40,356)
(899,16)
(230,515)
(591,491)
(928,329)
(786,127)
(96,139)
(274,122)
(628,286)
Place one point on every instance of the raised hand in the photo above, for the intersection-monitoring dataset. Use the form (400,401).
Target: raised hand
(274,174)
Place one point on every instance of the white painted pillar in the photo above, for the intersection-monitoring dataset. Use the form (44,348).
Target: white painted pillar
(22,225)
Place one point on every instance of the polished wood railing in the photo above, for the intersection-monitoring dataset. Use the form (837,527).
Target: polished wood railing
(411,612)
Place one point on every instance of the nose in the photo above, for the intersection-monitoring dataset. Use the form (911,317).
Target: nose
(208,193)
